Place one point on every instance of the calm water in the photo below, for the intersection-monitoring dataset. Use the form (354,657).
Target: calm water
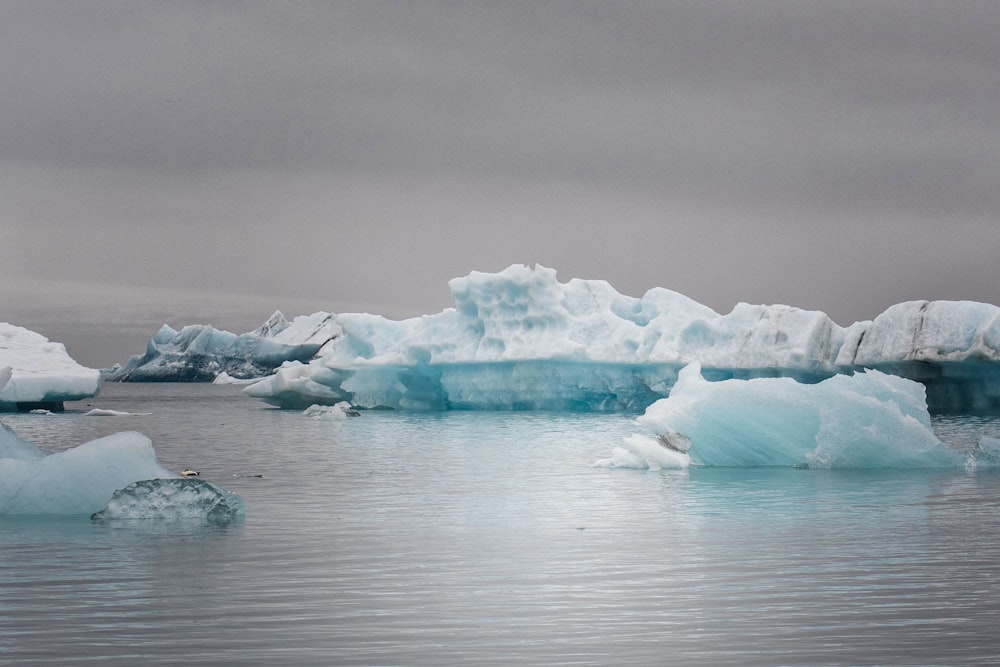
(481,538)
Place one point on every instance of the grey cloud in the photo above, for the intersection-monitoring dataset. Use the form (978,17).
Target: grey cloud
(768,151)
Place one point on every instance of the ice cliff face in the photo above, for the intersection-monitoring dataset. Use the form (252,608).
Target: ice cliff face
(520,339)
(199,353)
(35,372)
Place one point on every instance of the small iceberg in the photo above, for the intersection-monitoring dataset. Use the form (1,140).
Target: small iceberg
(173,499)
(37,374)
(105,412)
(865,420)
(337,412)
(84,480)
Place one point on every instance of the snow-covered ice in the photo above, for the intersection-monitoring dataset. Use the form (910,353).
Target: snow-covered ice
(520,339)
(866,420)
(201,353)
(35,372)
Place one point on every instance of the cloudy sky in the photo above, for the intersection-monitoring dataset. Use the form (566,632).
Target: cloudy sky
(214,161)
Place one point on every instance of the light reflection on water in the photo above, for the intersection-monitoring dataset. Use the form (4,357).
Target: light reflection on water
(477,538)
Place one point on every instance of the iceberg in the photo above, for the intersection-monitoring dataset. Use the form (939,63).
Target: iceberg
(338,412)
(865,420)
(520,339)
(173,499)
(38,374)
(75,481)
(951,347)
(201,353)
(86,480)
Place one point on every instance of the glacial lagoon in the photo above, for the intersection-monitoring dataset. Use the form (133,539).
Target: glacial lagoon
(490,538)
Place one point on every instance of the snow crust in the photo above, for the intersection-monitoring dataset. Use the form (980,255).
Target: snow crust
(36,370)
(201,353)
(520,339)
(866,420)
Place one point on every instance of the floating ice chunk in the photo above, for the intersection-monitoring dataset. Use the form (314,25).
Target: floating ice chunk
(642,451)
(868,420)
(35,372)
(337,412)
(173,499)
(295,386)
(75,481)
(104,412)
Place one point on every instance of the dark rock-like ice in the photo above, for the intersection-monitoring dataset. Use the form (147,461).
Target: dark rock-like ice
(201,353)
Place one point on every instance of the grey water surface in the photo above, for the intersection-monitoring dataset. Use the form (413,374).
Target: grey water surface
(473,538)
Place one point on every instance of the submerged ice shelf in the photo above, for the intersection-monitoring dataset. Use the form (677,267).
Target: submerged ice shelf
(520,339)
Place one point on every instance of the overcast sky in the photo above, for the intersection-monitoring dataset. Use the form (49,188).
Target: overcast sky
(165,161)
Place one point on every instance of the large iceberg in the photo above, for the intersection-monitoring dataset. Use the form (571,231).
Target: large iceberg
(200,353)
(520,339)
(37,373)
(865,420)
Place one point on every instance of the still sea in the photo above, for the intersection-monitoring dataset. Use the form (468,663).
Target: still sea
(472,538)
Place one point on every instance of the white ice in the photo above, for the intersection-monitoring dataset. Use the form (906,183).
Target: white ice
(520,339)
(35,370)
